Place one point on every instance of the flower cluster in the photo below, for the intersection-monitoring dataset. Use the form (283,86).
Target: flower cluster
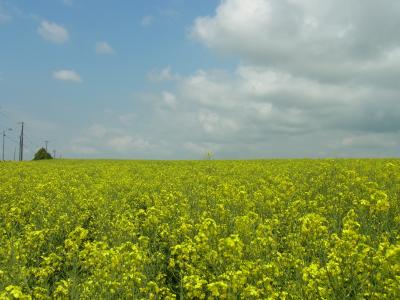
(274,229)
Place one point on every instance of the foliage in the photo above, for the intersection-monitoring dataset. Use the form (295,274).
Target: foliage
(42,154)
(275,229)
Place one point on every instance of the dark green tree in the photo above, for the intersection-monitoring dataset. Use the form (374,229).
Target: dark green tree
(42,154)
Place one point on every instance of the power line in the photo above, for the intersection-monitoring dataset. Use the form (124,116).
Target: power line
(23,137)
(7,136)
(33,144)
(2,125)
(4,135)
(1,113)
(46,143)
(31,141)
(6,125)
(11,139)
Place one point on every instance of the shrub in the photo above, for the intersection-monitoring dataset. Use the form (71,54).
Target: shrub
(42,154)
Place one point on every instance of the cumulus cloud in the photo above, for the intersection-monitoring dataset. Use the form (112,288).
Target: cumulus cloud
(169,99)
(105,140)
(103,48)
(162,75)
(312,76)
(257,111)
(126,143)
(370,140)
(200,149)
(211,122)
(53,32)
(67,75)
(127,119)
(312,79)
(76,148)
(327,40)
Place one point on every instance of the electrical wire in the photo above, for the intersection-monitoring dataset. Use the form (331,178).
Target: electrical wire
(11,139)
(30,141)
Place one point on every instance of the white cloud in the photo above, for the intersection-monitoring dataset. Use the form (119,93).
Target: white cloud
(308,80)
(162,75)
(53,32)
(147,21)
(370,140)
(213,123)
(103,48)
(307,37)
(105,140)
(127,143)
(258,111)
(169,99)
(201,149)
(67,75)
(97,131)
(81,149)
(127,119)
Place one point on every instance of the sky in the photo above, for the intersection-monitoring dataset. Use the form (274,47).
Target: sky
(175,79)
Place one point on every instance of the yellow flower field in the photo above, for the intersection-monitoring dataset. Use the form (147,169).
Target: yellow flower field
(262,229)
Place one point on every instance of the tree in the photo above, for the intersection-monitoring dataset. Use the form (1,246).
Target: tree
(42,154)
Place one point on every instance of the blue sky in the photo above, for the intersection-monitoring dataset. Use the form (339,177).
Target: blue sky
(175,79)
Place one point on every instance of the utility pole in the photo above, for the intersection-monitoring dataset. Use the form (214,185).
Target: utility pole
(54,154)
(21,143)
(15,151)
(46,143)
